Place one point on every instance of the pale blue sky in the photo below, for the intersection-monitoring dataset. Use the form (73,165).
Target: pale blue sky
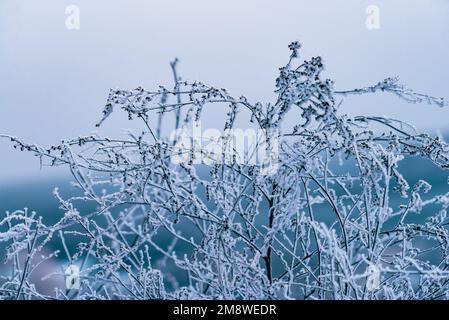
(53,81)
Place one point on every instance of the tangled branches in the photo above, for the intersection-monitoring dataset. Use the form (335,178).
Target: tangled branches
(335,208)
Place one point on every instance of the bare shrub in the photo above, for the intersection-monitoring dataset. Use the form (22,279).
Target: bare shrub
(334,214)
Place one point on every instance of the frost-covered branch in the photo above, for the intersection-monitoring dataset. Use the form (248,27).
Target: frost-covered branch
(332,216)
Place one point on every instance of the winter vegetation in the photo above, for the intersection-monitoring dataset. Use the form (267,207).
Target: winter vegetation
(325,213)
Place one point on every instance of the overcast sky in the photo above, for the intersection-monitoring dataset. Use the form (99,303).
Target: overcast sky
(54,81)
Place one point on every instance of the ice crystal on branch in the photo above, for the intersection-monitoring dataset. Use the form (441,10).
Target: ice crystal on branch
(336,213)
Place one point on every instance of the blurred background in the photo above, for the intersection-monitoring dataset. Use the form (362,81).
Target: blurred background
(54,80)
